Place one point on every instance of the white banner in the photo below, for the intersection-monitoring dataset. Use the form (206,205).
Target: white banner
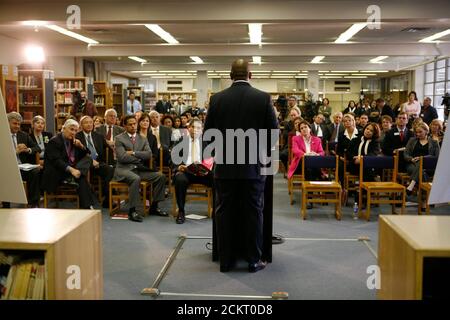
(440,189)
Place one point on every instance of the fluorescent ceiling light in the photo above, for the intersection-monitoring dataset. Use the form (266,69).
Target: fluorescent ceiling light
(281,77)
(162,33)
(255,32)
(317,59)
(141,71)
(34,23)
(285,71)
(350,32)
(364,74)
(344,71)
(196,59)
(335,74)
(436,36)
(256,59)
(137,59)
(301,77)
(378,59)
(352,77)
(71,34)
(180,74)
(34,54)
(377,71)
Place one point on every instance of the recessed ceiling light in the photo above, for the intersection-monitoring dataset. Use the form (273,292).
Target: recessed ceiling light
(435,36)
(137,59)
(71,34)
(196,59)
(162,33)
(350,32)
(255,33)
(317,59)
(378,59)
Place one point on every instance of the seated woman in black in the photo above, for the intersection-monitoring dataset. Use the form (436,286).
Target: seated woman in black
(350,133)
(366,145)
(421,145)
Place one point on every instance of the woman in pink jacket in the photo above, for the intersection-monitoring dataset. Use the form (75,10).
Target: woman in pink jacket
(305,144)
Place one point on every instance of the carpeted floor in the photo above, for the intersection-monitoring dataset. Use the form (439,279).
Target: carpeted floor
(134,253)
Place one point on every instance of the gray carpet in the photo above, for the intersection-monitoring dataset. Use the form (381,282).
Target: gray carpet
(134,253)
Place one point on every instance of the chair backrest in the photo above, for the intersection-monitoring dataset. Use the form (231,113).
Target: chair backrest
(426,163)
(378,162)
(321,162)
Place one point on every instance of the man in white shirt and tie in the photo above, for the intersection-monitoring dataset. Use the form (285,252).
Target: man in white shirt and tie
(133,105)
(183,177)
(109,130)
(96,144)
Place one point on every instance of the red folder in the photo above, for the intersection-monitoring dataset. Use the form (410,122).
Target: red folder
(201,169)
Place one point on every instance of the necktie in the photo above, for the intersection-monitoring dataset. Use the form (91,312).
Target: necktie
(194,151)
(401,135)
(334,135)
(91,148)
(156,133)
(133,140)
(109,133)
(70,153)
(132,107)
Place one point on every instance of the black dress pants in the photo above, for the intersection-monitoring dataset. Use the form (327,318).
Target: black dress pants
(181,182)
(239,219)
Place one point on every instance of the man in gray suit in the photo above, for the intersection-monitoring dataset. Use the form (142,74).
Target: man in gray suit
(163,136)
(132,151)
(109,130)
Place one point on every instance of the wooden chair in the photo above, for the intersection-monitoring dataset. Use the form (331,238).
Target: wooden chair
(424,188)
(385,191)
(402,177)
(313,188)
(118,191)
(350,181)
(296,179)
(195,192)
(63,192)
(166,170)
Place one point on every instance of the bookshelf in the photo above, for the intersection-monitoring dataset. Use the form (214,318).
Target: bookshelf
(66,242)
(188,97)
(300,95)
(102,97)
(9,87)
(64,88)
(118,101)
(149,100)
(36,96)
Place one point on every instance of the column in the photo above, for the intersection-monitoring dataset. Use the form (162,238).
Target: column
(202,87)
(313,84)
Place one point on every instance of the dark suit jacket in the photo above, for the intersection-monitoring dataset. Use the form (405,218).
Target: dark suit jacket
(56,162)
(344,142)
(103,130)
(240,107)
(99,144)
(165,135)
(392,141)
(330,129)
(372,150)
(46,135)
(387,110)
(433,148)
(26,157)
(163,107)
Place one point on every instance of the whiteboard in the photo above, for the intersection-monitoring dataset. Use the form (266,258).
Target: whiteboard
(11,186)
(440,189)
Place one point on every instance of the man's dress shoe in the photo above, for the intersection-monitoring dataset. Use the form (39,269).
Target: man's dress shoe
(158,212)
(134,216)
(180,218)
(255,267)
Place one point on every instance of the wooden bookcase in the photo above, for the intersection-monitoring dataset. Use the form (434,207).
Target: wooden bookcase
(102,97)
(149,100)
(36,96)
(9,87)
(69,242)
(64,88)
(118,98)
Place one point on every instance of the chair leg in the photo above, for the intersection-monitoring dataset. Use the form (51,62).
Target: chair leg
(45,200)
(419,198)
(427,196)
(209,203)
(360,202)
(394,196)
(402,211)
(369,195)
(303,210)
(338,205)
(291,194)
(110,201)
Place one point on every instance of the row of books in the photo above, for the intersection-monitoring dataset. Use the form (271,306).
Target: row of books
(99,101)
(29,99)
(20,278)
(70,85)
(63,98)
(29,82)
(175,97)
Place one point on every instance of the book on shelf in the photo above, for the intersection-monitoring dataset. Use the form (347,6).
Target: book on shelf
(64,98)
(21,277)
(29,99)
(70,85)
(28,82)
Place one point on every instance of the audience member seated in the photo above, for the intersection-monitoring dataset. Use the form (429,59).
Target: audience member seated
(96,144)
(305,144)
(82,106)
(39,136)
(349,134)
(183,177)
(163,136)
(437,131)
(364,109)
(333,132)
(179,106)
(420,146)
(25,149)
(428,113)
(176,122)
(143,129)
(386,110)
(284,153)
(98,122)
(386,126)
(363,121)
(319,129)
(289,123)
(351,108)
(67,161)
(412,106)
(110,130)
(167,121)
(133,155)
(184,121)
(325,110)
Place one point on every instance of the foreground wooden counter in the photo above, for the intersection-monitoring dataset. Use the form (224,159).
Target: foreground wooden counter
(405,243)
(67,238)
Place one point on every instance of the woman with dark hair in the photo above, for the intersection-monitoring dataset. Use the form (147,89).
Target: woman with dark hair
(326,110)
(366,145)
(176,122)
(284,153)
(351,107)
(167,121)
(412,106)
(143,130)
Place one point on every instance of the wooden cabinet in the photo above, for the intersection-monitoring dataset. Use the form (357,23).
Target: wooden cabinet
(71,244)
(412,254)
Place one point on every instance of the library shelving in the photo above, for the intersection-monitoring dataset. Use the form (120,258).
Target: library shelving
(64,89)
(138,94)
(102,97)
(65,245)
(9,87)
(118,96)
(36,96)
(149,100)
(188,97)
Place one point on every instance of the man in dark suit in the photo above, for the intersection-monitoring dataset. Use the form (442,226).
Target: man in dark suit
(182,176)
(386,109)
(240,187)
(96,144)
(67,161)
(25,149)
(132,150)
(163,136)
(396,139)
(428,112)
(110,130)
(333,131)
(319,130)
(163,106)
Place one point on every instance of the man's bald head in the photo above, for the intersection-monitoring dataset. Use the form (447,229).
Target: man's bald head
(240,70)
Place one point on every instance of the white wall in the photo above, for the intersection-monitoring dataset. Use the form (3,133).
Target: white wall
(12,51)
(62,66)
